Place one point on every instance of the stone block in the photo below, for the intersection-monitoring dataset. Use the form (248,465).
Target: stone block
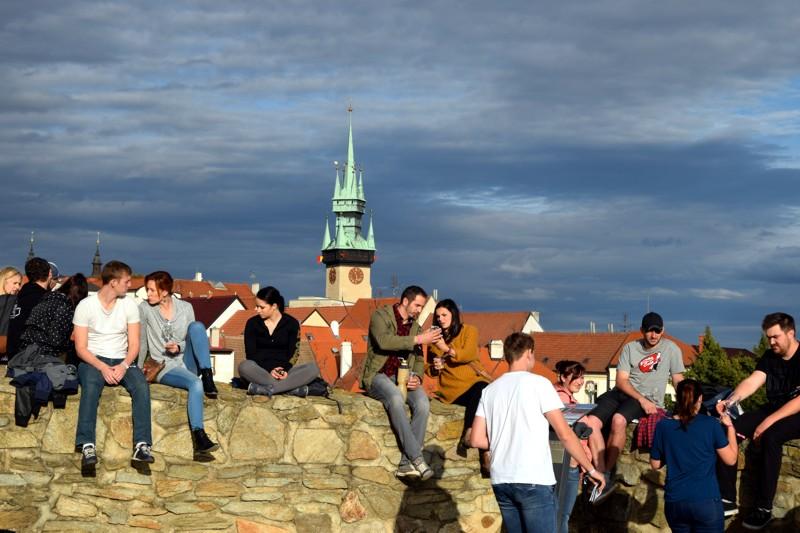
(324,482)
(317,446)
(73,507)
(351,509)
(361,445)
(190,471)
(167,488)
(383,502)
(271,511)
(218,489)
(316,522)
(257,435)
(261,494)
(450,430)
(375,474)
(19,519)
(189,507)
(248,526)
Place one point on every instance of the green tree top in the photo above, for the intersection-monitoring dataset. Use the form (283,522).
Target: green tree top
(714,366)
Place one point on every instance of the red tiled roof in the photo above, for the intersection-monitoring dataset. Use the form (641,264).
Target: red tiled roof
(358,314)
(196,289)
(495,325)
(235,324)
(300,313)
(136,282)
(596,351)
(207,310)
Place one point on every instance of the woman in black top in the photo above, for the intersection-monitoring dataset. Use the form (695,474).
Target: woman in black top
(271,345)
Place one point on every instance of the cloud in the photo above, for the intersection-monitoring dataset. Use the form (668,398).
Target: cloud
(575,159)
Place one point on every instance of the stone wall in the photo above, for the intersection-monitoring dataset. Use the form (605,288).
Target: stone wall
(286,464)
(638,505)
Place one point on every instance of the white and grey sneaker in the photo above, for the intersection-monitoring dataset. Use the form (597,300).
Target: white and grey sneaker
(88,455)
(406,471)
(425,471)
(141,453)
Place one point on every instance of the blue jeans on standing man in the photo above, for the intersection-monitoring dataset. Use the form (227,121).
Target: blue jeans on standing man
(196,354)
(410,434)
(92,385)
(527,508)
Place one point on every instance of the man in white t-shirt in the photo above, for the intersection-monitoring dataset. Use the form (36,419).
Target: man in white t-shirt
(107,342)
(513,421)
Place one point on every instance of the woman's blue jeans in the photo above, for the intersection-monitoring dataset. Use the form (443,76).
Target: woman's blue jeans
(566,498)
(696,516)
(197,354)
(526,507)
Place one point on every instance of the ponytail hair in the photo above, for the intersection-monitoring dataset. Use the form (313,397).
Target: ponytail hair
(688,392)
(569,370)
(271,295)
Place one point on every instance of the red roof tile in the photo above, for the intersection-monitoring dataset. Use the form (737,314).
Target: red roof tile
(207,310)
(495,325)
(235,324)
(358,314)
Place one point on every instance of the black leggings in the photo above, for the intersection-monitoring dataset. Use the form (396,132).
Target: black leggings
(470,400)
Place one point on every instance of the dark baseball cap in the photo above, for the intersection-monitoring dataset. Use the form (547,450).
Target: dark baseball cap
(652,320)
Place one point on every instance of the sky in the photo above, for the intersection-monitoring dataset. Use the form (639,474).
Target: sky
(586,160)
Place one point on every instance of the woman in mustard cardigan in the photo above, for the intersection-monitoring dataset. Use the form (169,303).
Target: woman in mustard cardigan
(455,363)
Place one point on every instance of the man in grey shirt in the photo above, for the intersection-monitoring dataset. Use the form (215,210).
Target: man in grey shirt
(644,367)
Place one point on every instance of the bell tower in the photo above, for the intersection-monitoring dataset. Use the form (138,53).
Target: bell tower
(348,255)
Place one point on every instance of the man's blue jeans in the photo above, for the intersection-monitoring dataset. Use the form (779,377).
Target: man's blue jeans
(410,434)
(527,508)
(92,384)
(196,354)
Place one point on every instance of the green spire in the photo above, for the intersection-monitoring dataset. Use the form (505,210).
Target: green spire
(371,233)
(326,238)
(349,202)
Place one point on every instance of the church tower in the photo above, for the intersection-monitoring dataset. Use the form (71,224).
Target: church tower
(349,255)
(96,263)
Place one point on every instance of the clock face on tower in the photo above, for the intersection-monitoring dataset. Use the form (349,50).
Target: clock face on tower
(356,275)
(332,276)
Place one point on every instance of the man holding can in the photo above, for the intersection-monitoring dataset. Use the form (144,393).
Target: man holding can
(394,340)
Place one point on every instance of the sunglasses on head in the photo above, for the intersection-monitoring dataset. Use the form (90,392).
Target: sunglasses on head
(655,329)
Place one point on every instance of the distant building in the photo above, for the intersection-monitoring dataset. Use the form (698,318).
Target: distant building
(348,255)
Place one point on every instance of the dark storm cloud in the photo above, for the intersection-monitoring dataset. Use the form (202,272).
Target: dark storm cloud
(580,159)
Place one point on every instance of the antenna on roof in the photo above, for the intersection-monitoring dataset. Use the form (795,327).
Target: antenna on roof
(395,285)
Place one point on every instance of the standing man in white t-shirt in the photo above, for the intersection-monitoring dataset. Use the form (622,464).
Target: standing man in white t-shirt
(107,342)
(512,421)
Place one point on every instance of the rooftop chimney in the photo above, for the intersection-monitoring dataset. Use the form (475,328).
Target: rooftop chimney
(496,350)
(198,276)
(345,358)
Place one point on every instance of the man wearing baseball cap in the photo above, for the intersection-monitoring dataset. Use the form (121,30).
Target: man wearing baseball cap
(644,367)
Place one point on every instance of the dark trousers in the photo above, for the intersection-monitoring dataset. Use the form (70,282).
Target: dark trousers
(469,400)
(695,516)
(768,461)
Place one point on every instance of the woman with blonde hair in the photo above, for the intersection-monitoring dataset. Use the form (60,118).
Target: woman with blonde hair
(10,281)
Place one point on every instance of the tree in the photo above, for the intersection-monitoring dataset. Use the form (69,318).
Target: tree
(714,366)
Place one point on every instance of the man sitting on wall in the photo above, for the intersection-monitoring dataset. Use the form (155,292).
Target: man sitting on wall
(394,334)
(644,367)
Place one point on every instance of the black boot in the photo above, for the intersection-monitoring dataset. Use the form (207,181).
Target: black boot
(201,443)
(254,389)
(301,391)
(207,376)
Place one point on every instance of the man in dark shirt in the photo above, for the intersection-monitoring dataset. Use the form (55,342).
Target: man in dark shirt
(39,276)
(773,424)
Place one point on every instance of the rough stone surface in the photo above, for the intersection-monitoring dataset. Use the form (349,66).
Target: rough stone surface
(287,466)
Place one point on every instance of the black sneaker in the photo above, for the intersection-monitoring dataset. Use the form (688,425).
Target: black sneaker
(730,508)
(88,455)
(141,454)
(758,519)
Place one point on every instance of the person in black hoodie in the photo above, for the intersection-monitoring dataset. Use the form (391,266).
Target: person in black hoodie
(39,275)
